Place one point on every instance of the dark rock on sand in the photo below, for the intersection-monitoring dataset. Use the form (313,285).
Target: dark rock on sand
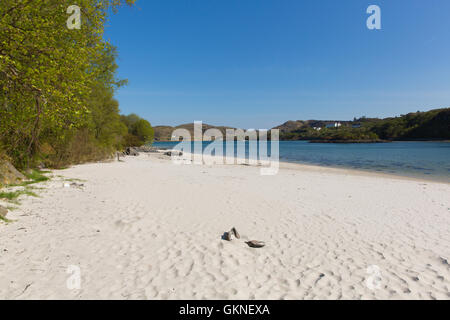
(226,236)
(146,149)
(130,151)
(172,152)
(229,235)
(134,151)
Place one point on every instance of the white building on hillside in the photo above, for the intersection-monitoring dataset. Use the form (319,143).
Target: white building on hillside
(334,125)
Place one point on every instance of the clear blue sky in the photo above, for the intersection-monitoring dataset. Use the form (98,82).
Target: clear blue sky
(259,63)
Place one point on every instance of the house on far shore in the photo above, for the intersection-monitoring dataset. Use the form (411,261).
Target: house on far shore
(317,128)
(334,125)
(356,125)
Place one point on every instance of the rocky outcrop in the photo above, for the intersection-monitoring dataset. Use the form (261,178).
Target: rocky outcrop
(146,149)
(134,151)
(9,174)
(173,153)
(130,151)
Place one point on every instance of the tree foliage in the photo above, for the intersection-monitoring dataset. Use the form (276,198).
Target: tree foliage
(57,84)
(140,130)
(430,125)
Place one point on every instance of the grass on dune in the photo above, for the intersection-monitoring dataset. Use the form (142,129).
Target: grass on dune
(13,195)
(5,219)
(34,176)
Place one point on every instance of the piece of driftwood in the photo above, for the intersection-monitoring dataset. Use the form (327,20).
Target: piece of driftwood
(255,244)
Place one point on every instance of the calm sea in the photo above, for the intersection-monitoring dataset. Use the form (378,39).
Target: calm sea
(429,160)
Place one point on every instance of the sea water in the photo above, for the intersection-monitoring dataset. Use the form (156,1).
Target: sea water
(429,160)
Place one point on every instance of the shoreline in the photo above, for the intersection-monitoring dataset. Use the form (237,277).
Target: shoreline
(411,166)
(332,169)
(367,172)
(417,140)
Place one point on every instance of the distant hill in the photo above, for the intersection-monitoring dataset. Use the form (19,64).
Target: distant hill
(429,125)
(292,126)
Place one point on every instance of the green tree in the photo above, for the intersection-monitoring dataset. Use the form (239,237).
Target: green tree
(48,72)
(130,120)
(143,130)
(140,131)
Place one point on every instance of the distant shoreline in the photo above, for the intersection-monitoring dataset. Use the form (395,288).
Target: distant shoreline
(348,141)
(334,141)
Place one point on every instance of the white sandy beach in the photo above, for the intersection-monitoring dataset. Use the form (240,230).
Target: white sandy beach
(148,229)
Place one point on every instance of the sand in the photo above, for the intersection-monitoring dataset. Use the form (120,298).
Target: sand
(145,228)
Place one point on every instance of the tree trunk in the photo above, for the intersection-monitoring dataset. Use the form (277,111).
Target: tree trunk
(35,131)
